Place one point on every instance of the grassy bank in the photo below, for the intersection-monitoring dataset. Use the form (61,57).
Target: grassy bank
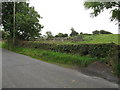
(70,59)
(0,44)
(56,57)
(66,60)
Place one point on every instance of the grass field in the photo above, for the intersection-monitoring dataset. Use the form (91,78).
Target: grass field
(90,39)
(102,38)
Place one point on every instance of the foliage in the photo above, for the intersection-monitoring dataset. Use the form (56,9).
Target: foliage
(104,32)
(109,51)
(27,20)
(61,35)
(73,32)
(0,44)
(49,35)
(3,34)
(81,33)
(99,7)
(0,35)
(101,32)
(56,57)
(96,32)
(104,50)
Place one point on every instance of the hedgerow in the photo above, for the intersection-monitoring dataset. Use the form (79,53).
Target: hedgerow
(94,50)
(109,51)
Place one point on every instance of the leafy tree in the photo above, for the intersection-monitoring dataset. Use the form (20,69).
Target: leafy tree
(3,34)
(61,35)
(49,35)
(104,32)
(96,32)
(101,32)
(65,35)
(99,7)
(81,33)
(27,20)
(73,32)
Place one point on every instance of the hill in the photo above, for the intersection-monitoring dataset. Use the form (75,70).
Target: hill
(101,38)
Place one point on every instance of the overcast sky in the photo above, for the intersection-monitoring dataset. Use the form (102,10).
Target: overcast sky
(61,15)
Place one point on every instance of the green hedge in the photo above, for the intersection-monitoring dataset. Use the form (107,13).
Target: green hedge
(109,51)
(94,50)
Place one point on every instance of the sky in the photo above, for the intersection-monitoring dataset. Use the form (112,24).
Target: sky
(61,15)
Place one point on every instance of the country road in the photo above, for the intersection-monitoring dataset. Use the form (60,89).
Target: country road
(20,71)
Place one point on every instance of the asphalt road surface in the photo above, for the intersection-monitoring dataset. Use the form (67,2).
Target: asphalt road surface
(20,71)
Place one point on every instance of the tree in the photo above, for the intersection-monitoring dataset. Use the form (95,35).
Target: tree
(49,35)
(61,35)
(65,35)
(73,32)
(81,33)
(27,20)
(96,32)
(104,32)
(99,7)
(101,32)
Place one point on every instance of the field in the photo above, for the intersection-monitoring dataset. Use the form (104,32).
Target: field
(102,38)
(90,39)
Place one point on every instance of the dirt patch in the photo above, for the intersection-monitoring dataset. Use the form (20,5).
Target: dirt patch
(100,70)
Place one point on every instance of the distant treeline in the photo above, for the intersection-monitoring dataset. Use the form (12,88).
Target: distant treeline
(74,33)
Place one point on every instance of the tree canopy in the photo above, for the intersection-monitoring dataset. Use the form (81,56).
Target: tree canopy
(26,20)
(73,32)
(49,34)
(61,35)
(101,32)
(99,7)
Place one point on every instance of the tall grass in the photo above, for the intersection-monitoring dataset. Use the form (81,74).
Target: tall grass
(56,57)
(0,44)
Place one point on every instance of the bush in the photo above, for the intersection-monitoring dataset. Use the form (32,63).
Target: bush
(94,50)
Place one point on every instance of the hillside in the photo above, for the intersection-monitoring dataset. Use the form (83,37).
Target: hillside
(88,39)
(102,38)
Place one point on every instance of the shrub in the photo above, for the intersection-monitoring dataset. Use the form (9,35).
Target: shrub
(94,50)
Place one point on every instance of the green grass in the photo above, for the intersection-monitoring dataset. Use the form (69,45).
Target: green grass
(89,39)
(102,38)
(56,57)
(0,44)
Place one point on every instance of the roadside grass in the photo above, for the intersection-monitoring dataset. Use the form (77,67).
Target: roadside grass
(0,44)
(56,57)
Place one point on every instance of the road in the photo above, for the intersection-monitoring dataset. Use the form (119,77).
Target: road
(20,71)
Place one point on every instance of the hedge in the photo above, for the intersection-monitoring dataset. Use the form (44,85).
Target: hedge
(109,51)
(94,50)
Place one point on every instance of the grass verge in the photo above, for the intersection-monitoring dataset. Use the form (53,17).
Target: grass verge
(0,44)
(56,57)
